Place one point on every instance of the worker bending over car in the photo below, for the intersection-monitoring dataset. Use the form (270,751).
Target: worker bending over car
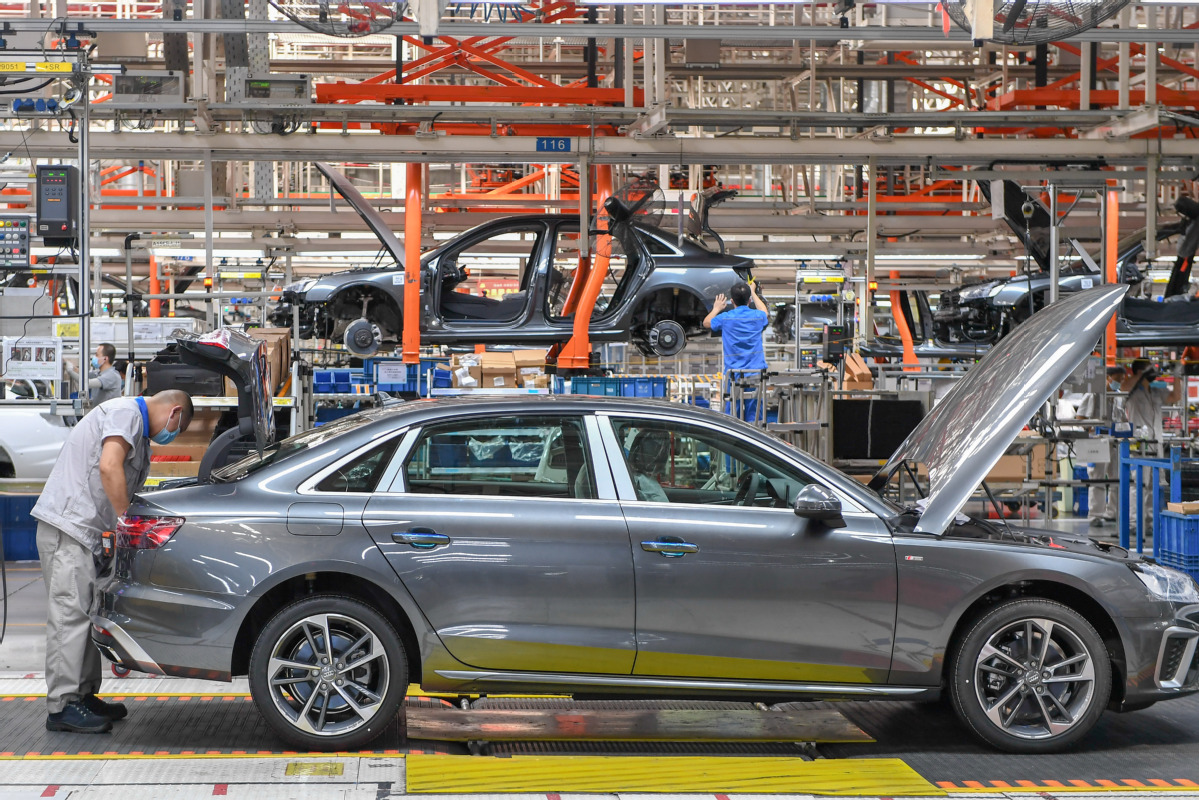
(103,463)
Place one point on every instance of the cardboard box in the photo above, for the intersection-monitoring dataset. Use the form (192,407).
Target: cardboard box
(174,469)
(499,371)
(1011,469)
(467,371)
(1183,508)
(278,357)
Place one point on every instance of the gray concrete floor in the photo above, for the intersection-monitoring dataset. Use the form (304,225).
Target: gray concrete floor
(24,647)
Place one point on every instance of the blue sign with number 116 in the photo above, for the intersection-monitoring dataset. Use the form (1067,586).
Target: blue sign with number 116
(553,144)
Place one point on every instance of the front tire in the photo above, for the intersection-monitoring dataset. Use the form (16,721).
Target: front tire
(1031,676)
(328,673)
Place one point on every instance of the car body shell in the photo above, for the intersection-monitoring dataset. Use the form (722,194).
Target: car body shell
(670,277)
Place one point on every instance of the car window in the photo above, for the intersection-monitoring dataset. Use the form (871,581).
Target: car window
(656,246)
(563,271)
(361,474)
(512,456)
(670,462)
(301,442)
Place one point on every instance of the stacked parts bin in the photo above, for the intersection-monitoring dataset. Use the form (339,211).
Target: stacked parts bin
(619,387)
(1176,542)
(18,529)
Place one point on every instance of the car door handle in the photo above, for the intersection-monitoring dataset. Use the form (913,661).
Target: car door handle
(670,549)
(421,538)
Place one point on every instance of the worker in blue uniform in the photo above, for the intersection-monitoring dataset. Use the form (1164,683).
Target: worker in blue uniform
(740,326)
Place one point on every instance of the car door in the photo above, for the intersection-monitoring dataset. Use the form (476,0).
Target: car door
(512,543)
(730,582)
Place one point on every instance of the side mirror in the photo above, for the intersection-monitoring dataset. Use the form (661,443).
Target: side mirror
(817,503)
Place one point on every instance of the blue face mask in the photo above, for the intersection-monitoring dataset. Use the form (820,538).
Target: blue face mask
(164,436)
(95,363)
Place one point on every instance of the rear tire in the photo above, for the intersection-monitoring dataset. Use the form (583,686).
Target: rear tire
(1030,699)
(318,697)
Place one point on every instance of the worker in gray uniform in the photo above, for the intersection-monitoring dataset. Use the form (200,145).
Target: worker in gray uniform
(1144,405)
(103,463)
(104,379)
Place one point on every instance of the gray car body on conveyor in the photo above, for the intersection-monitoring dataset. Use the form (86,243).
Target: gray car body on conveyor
(771,605)
(681,275)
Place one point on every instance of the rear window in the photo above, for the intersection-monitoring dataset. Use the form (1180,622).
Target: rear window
(280,451)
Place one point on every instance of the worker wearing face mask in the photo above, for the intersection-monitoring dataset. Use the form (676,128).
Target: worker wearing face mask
(103,380)
(1143,404)
(103,463)
(1101,500)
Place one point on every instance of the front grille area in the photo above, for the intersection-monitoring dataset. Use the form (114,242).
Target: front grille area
(1172,659)
(1192,676)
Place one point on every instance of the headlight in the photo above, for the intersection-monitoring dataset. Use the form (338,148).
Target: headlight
(1167,584)
(299,287)
(978,291)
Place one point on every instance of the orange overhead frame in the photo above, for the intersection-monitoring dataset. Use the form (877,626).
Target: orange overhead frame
(481,56)
(155,288)
(1111,237)
(576,354)
(411,315)
(901,325)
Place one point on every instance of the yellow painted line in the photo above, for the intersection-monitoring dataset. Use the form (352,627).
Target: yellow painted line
(445,774)
(1076,787)
(162,756)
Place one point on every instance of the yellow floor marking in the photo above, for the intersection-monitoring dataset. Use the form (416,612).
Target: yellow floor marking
(445,774)
(1056,787)
(156,756)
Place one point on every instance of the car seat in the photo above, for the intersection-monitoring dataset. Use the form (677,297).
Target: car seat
(647,456)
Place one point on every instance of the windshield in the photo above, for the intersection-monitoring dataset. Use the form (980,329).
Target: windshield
(287,448)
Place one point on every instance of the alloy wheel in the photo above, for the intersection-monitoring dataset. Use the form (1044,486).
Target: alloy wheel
(1034,678)
(328,674)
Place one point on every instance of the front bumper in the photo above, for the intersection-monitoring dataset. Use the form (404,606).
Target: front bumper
(120,648)
(1161,658)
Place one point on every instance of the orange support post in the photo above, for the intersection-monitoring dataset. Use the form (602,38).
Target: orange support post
(155,288)
(1111,236)
(577,352)
(901,325)
(412,209)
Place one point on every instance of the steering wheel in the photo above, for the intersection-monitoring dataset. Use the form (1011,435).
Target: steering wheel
(747,488)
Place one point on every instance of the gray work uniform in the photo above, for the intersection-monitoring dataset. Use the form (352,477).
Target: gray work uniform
(72,512)
(1144,408)
(107,385)
(109,388)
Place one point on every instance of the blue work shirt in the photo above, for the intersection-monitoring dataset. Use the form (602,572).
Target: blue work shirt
(741,334)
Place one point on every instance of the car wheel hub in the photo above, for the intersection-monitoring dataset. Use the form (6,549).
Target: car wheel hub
(328,674)
(666,338)
(1034,679)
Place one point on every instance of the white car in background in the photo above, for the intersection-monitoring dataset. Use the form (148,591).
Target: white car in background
(30,438)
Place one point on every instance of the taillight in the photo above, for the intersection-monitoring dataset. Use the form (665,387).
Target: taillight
(146,533)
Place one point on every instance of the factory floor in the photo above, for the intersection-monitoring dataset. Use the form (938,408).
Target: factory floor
(189,738)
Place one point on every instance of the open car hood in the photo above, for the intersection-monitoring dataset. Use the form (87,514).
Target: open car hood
(370,215)
(242,360)
(964,435)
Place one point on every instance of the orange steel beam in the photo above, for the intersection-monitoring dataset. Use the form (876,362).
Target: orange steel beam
(412,213)
(901,324)
(155,288)
(516,185)
(1111,237)
(577,352)
(1069,98)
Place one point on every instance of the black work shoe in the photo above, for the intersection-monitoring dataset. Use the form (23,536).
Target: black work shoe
(113,711)
(77,718)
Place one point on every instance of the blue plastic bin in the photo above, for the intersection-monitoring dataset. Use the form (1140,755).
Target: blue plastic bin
(1176,542)
(19,529)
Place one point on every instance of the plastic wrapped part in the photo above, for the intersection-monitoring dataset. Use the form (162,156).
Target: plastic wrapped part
(242,360)
(485,449)
(527,451)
